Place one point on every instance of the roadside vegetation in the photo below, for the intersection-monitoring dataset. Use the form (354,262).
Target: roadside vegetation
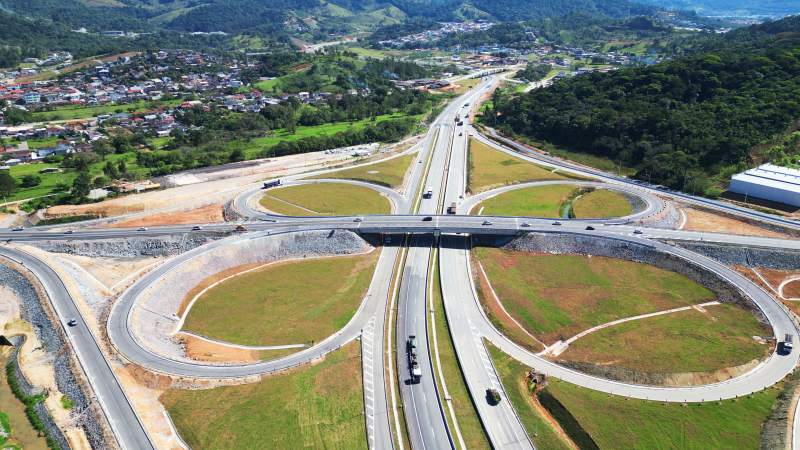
(390,173)
(639,424)
(292,302)
(688,341)
(318,406)
(536,201)
(555,297)
(601,203)
(466,415)
(488,168)
(325,199)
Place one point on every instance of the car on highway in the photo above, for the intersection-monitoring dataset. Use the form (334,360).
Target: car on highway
(72,322)
(420,161)
(68,232)
(460,134)
(590,228)
(556,223)
(197,228)
(18,228)
(427,219)
(486,222)
(388,240)
(525,224)
(142,229)
(637,231)
(358,219)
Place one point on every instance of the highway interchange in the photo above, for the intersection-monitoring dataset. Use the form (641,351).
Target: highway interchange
(442,167)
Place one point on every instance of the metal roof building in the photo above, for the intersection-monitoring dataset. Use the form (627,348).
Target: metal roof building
(769,182)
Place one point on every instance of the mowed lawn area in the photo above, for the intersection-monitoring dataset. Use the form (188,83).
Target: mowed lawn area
(618,423)
(317,407)
(292,302)
(325,198)
(601,203)
(389,173)
(536,201)
(688,341)
(556,297)
(489,168)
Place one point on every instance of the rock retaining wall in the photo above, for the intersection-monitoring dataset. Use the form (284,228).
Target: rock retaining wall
(746,256)
(130,247)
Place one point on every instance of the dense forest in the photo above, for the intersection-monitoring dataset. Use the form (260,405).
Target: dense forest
(699,115)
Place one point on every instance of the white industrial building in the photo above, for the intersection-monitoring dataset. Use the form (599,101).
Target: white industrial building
(769,182)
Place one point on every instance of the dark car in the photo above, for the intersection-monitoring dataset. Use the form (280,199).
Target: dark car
(590,228)
(427,219)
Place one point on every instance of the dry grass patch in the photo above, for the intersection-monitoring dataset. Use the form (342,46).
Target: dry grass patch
(792,289)
(601,203)
(703,221)
(293,302)
(687,341)
(554,297)
(325,198)
(300,410)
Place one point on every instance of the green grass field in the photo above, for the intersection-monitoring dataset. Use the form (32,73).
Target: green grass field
(557,296)
(537,201)
(467,416)
(318,407)
(326,198)
(690,341)
(386,173)
(597,162)
(489,168)
(615,422)
(287,303)
(512,375)
(85,112)
(601,203)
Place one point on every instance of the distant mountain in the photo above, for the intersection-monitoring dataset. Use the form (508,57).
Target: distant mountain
(766,8)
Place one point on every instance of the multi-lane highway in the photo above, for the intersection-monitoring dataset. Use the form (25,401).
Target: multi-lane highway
(442,167)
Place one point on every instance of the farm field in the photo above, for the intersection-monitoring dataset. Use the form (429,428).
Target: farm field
(388,173)
(325,199)
(293,302)
(601,203)
(488,168)
(315,407)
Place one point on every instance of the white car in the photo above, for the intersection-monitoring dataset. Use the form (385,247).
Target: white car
(525,224)
(18,228)
(68,232)
(556,223)
(197,228)
(637,231)
(142,229)
(486,222)
(358,219)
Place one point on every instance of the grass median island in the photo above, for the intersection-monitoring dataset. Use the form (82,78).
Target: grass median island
(536,201)
(316,407)
(466,415)
(292,302)
(325,198)
(601,203)
(693,341)
(488,168)
(615,422)
(556,297)
(389,173)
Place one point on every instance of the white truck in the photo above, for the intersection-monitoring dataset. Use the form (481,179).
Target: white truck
(428,192)
(787,344)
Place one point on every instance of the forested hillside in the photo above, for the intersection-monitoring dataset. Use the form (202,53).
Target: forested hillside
(769,8)
(700,114)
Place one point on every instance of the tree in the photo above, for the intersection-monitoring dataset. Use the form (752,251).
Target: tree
(82,185)
(236,156)
(123,168)
(29,181)
(110,171)
(102,147)
(8,185)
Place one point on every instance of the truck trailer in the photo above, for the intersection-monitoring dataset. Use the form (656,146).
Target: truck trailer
(452,208)
(413,363)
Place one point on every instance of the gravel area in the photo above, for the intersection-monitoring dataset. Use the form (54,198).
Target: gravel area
(154,315)
(670,220)
(31,309)
(93,298)
(132,247)
(746,256)
(587,245)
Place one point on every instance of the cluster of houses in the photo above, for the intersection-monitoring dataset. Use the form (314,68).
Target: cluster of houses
(434,35)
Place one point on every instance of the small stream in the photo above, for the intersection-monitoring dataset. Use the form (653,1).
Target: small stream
(22,433)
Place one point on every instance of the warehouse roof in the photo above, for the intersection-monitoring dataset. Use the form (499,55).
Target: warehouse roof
(772,176)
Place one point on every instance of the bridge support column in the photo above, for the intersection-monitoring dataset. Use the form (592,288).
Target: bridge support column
(436,234)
